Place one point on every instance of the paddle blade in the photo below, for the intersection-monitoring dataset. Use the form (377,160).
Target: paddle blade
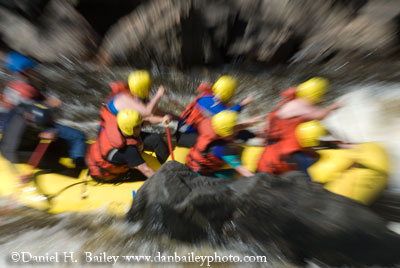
(38,153)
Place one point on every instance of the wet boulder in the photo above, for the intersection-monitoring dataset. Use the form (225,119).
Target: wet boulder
(57,31)
(31,9)
(307,222)
(150,33)
(184,33)
(299,217)
(178,202)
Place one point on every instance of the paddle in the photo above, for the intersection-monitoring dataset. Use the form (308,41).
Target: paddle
(171,152)
(38,153)
(37,156)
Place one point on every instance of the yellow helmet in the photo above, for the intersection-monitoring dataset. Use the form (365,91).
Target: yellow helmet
(309,132)
(139,83)
(224,122)
(127,120)
(224,88)
(313,89)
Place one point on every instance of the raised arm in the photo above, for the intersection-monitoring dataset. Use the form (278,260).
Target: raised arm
(152,105)
(154,119)
(249,122)
(319,114)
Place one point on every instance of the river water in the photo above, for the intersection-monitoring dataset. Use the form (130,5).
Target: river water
(372,113)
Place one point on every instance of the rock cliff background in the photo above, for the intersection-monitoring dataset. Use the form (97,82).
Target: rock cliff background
(184,33)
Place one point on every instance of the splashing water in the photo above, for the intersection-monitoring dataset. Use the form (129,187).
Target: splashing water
(371,114)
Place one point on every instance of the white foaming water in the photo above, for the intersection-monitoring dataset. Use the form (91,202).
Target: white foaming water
(371,114)
(40,234)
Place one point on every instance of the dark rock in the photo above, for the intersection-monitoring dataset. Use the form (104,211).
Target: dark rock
(178,202)
(199,32)
(308,222)
(150,33)
(59,32)
(184,33)
(369,34)
(30,9)
(388,206)
(172,32)
(301,218)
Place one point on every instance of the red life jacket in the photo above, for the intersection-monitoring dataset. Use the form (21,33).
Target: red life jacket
(25,91)
(117,87)
(281,139)
(198,158)
(109,138)
(192,115)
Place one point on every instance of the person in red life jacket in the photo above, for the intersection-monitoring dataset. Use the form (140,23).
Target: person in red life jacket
(19,89)
(283,152)
(215,147)
(117,148)
(213,98)
(25,107)
(136,98)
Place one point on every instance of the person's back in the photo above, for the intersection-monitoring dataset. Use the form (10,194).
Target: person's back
(135,98)
(19,90)
(283,152)
(25,120)
(22,94)
(118,147)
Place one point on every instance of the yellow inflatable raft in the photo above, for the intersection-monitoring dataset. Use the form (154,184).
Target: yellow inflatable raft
(360,174)
(58,193)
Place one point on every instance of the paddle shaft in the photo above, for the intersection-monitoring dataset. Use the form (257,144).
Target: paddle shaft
(171,152)
(39,152)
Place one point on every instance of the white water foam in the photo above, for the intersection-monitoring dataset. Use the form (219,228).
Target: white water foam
(371,114)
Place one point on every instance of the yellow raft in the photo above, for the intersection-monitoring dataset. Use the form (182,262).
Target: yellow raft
(58,193)
(360,173)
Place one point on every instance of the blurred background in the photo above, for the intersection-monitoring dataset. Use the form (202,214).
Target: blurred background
(269,45)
